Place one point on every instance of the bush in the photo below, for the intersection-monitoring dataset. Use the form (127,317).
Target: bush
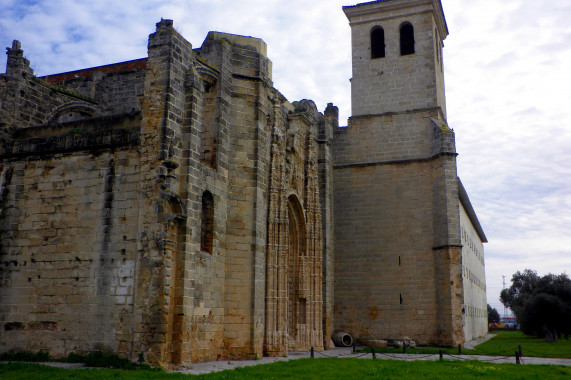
(493,315)
(24,356)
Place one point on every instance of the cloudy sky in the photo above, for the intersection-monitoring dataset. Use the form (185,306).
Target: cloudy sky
(508,82)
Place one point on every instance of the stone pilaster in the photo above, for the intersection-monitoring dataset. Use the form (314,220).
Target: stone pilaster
(325,140)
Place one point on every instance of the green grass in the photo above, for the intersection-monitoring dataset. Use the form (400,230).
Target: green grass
(418,350)
(92,359)
(310,369)
(505,343)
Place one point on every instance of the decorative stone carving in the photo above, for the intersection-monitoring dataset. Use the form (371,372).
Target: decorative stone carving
(293,261)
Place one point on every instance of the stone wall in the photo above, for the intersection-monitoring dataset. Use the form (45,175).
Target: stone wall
(28,101)
(384,266)
(69,210)
(69,252)
(113,176)
(116,88)
(248,202)
(397,252)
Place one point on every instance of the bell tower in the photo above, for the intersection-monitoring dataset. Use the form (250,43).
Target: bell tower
(397,56)
(398,269)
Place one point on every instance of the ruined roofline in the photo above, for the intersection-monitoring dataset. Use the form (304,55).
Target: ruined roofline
(247,42)
(83,73)
(465,201)
(255,42)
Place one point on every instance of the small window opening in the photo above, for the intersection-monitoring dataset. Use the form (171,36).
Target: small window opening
(377,42)
(209,133)
(400,295)
(406,39)
(207,225)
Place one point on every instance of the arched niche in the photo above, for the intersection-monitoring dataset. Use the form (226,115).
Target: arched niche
(73,111)
(297,283)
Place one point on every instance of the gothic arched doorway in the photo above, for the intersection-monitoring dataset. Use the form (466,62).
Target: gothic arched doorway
(297,281)
(293,295)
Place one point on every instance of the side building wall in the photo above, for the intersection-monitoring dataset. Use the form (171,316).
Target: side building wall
(474,280)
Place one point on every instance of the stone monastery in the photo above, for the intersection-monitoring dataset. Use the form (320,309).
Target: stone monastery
(178,208)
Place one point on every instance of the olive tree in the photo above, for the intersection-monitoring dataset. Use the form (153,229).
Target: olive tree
(541,305)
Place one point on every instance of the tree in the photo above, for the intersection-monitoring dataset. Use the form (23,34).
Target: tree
(542,305)
(493,315)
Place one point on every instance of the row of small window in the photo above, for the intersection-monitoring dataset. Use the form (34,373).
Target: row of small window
(473,311)
(467,273)
(406,40)
(469,243)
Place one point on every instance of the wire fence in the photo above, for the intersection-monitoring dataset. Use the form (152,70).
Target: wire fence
(352,355)
(415,356)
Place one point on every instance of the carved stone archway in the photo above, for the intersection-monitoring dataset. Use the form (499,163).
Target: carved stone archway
(73,111)
(293,319)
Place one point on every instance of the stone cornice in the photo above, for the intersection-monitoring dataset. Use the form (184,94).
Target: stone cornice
(394,162)
(355,13)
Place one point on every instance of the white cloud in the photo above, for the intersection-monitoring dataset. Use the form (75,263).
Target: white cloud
(508,102)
